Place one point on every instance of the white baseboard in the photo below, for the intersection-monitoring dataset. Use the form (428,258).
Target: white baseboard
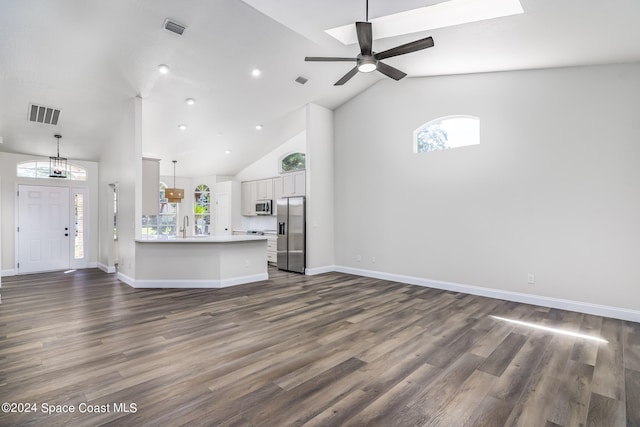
(320,270)
(187,284)
(126,279)
(563,304)
(106,268)
(9,272)
(13,272)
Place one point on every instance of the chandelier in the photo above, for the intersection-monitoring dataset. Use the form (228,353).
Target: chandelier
(174,195)
(57,164)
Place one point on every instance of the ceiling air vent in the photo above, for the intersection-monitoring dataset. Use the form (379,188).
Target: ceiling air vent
(174,27)
(46,115)
(301,80)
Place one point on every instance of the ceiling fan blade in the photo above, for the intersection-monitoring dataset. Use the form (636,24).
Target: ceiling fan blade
(365,37)
(389,71)
(328,59)
(347,77)
(406,48)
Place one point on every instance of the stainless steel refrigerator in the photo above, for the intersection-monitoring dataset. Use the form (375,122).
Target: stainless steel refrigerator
(291,234)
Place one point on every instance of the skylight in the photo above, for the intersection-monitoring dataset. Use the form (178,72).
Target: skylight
(445,14)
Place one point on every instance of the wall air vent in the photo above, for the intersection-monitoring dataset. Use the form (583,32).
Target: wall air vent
(174,27)
(42,114)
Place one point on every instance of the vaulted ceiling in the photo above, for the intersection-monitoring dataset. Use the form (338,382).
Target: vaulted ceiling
(88,57)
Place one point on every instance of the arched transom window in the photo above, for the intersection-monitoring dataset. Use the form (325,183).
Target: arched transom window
(446,132)
(293,162)
(40,169)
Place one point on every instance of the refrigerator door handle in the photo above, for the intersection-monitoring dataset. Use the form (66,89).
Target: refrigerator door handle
(281,228)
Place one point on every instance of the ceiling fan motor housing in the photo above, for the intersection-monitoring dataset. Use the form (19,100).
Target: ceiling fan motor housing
(367,64)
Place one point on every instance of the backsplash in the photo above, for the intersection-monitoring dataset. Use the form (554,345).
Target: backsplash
(258,223)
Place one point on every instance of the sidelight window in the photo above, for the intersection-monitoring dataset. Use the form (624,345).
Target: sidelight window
(78,226)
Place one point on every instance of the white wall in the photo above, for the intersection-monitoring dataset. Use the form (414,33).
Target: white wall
(122,162)
(269,165)
(0,234)
(551,190)
(319,189)
(8,162)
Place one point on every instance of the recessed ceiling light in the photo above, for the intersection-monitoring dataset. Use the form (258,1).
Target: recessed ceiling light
(256,72)
(258,127)
(227,151)
(190,101)
(182,127)
(163,69)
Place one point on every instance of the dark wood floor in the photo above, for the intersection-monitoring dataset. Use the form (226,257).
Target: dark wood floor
(326,350)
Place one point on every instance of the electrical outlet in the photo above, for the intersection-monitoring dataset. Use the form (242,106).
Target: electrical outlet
(531,279)
(373,260)
(358,258)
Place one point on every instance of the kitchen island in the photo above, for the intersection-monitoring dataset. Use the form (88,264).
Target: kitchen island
(200,262)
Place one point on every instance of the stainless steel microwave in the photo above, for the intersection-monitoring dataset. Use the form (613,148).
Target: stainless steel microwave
(263,207)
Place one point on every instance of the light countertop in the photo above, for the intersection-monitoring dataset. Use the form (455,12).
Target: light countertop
(257,232)
(206,239)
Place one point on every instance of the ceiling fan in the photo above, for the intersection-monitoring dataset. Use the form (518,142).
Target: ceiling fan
(368,60)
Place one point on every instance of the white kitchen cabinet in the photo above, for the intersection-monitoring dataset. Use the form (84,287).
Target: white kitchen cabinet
(248,190)
(264,189)
(272,248)
(150,186)
(293,184)
(287,185)
(277,194)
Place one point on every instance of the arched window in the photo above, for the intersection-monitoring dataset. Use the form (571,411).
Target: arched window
(201,209)
(40,169)
(447,132)
(293,162)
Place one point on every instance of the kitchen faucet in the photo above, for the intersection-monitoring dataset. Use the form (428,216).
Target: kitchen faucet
(184,227)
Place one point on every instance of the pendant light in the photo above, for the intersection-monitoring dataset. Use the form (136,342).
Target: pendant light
(57,164)
(174,195)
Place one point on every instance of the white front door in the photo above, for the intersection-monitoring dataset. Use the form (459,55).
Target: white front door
(222,214)
(43,228)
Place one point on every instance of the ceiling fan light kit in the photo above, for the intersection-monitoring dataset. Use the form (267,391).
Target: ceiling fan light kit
(367,64)
(368,60)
